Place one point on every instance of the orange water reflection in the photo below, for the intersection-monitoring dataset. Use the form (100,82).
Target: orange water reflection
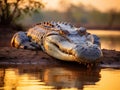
(58,78)
(35,78)
(110,81)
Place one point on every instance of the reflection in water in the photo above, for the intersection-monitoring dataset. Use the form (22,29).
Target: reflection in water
(70,78)
(35,78)
(109,39)
(110,80)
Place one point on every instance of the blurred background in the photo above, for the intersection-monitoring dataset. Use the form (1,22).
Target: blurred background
(102,16)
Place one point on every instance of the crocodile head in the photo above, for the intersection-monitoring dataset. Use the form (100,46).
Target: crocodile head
(73,44)
(65,42)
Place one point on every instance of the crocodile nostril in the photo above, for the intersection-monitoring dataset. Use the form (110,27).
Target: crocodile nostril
(25,47)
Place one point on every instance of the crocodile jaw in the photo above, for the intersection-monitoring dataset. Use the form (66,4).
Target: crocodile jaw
(60,48)
(88,53)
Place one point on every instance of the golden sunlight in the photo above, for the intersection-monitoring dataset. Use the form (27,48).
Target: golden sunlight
(107,81)
(112,37)
(102,5)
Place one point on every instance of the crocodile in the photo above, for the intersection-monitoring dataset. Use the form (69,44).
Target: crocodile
(60,40)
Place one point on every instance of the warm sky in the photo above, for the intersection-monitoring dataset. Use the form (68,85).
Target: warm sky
(102,5)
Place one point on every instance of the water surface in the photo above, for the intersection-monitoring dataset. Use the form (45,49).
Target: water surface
(33,77)
(110,39)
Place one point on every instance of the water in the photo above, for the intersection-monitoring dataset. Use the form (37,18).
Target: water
(109,39)
(58,78)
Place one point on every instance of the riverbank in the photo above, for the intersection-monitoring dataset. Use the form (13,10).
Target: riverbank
(13,56)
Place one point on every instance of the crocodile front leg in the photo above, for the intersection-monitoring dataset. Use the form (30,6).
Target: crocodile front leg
(21,40)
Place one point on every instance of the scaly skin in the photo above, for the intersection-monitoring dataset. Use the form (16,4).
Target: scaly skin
(60,40)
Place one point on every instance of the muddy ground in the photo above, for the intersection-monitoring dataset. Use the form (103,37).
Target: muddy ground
(10,55)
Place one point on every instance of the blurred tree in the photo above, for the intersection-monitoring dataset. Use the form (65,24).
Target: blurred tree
(98,18)
(13,9)
(117,19)
(53,15)
(91,16)
(77,14)
(112,15)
